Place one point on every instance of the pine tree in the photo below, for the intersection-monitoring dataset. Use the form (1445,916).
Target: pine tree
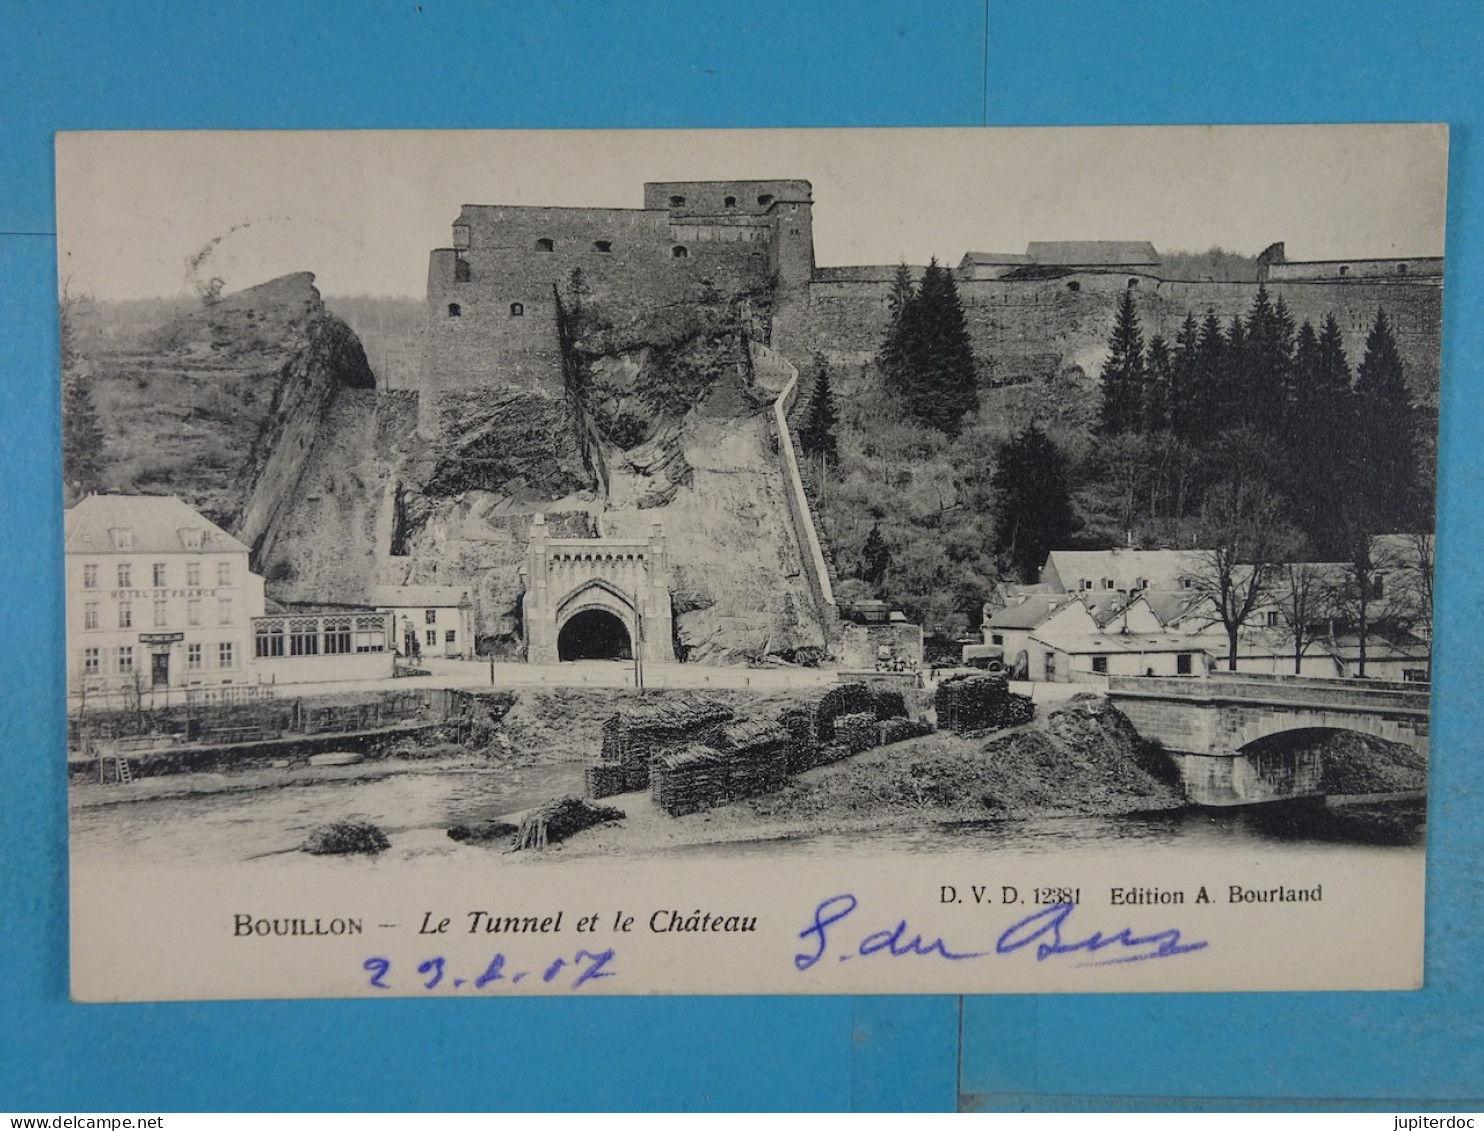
(82,434)
(1266,369)
(818,434)
(1183,379)
(1033,501)
(1386,434)
(82,437)
(1123,372)
(927,357)
(875,557)
(1159,380)
(1207,373)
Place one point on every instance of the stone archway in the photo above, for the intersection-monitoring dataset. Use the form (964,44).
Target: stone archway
(594,634)
(597,598)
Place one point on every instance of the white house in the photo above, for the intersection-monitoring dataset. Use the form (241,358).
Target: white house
(158,597)
(432,620)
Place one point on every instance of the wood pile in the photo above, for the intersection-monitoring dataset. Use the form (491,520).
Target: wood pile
(857,732)
(899,730)
(811,724)
(639,732)
(690,779)
(557,820)
(604,779)
(889,703)
(756,754)
(968,703)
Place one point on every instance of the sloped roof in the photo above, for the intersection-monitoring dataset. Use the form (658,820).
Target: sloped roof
(995,258)
(1030,612)
(1171,604)
(418,596)
(1108,643)
(1093,253)
(155,522)
(1161,568)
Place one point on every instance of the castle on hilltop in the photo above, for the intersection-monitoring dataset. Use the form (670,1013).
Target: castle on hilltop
(493,312)
(493,296)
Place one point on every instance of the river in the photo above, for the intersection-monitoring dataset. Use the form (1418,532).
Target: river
(224,823)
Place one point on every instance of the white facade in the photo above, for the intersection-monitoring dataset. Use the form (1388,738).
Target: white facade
(158,597)
(431,620)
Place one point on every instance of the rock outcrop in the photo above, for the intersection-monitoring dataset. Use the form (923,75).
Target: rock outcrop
(223,405)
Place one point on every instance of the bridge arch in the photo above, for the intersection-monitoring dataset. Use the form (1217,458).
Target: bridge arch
(1244,728)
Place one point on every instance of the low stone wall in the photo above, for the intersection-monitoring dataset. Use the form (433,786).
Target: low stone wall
(247,755)
(796,500)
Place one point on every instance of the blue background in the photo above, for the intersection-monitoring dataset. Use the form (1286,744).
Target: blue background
(272,64)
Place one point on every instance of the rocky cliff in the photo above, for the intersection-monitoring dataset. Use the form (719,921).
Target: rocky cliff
(223,405)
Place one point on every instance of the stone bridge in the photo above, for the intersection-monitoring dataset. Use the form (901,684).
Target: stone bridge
(1207,725)
(597,598)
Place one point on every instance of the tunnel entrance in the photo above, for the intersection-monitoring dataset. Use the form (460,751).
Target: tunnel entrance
(594,634)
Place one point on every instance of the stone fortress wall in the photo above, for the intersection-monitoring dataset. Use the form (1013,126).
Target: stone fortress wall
(492,312)
(1026,329)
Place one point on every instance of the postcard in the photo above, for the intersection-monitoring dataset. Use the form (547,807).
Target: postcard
(723,562)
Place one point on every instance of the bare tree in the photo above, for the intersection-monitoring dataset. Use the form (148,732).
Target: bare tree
(1304,594)
(1246,541)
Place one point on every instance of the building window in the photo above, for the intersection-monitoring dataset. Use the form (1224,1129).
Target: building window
(370,634)
(304,636)
(224,573)
(190,537)
(90,661)
(544,244)
(679,252)
(193,657)
(450,636)
(432,638)
(90,615)
(1344,269)
(765,199)
(729,202)
(193,612)
(268,640)
(1107,583)
(997,638)
(126,660)
(1182,663)
(454,310)
(126,615)
(126,574)
(193,575)
(121,537)
(162,614)
(517,310)
(605,246)
(337,635)
(677,202)
(1401,268)
(1187,583)
(224,610)
(461,270)
(1074,286)
(430,616)
(224,657)
(159,572)
(90,577)
(1272,619)
(1100,665)
(1132,283)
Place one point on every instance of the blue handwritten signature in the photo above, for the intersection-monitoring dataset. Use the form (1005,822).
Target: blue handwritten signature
(585,964)
(1042,929)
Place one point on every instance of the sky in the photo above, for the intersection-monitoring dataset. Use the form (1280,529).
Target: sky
(362,209)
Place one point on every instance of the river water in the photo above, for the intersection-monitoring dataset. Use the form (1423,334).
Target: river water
(415,806)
